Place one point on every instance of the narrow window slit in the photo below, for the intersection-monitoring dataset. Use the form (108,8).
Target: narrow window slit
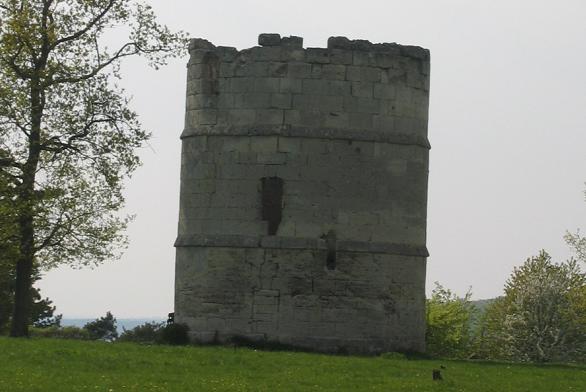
(331,255)
(272,202)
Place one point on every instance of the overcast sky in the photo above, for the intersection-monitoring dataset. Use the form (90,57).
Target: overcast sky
(507,129)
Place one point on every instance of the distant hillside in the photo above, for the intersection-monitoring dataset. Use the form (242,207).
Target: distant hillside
(481,304)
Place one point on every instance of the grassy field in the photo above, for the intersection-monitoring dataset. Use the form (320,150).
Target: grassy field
(67,365)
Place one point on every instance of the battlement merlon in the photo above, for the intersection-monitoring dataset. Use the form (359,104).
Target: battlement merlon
(335,44)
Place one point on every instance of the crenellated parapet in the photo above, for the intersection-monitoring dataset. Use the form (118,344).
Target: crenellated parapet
(353,90)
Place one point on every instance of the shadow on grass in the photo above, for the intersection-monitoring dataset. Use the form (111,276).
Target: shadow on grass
(239,341)
(486,362)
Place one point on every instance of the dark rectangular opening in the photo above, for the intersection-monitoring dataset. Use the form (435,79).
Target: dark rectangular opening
(272,202)
(331,245)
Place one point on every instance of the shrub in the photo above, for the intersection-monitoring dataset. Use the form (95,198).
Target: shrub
(149,332)
(449,323)
(542,315)
(102,328)
(394,356)
(60,333)
(175,334)
(263,344)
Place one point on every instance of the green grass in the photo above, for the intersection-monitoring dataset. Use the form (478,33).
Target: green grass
(68,365)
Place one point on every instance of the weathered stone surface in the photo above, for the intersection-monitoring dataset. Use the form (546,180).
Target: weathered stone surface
(292,42)
(339,43)
(344,129)
(269,40)
(199,43)
(297,301)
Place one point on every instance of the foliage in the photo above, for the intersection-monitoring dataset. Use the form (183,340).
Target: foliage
(68,138)
(488,341)
(8,250)
(42,309)
(69,332)
(264,344)
(103,328)
(38,365)
(149,332)
(542,314)
(577,243)
(6,294)
(175,334)
(8,223)
(393,355)
(449,319)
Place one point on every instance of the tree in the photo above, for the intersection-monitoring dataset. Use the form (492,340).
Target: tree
(8,252)
(449,319)
(102,328)
(6,294)
(43,311)
(577,242)
(149,332)
(67,135)
(542,314)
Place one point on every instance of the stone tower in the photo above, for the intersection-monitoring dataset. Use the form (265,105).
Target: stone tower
(304,195)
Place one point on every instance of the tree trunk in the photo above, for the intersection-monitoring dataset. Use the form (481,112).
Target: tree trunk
(22,298)
(26,196)
(24,265)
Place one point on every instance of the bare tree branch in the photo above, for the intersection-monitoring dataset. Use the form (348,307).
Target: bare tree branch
(56,227)
(9,162)
(75,79)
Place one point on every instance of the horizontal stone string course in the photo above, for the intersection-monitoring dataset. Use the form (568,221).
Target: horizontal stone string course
(304,132)
(273,242)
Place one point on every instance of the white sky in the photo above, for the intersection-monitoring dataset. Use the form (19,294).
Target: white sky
(507,129)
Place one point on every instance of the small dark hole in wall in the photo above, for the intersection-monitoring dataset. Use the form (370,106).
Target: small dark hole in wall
(331,245)
(331,260)
(272,202)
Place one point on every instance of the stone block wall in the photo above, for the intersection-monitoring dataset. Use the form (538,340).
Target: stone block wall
(370,303)
(304,194)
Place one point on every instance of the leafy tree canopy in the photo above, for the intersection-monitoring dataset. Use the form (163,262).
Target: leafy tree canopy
(67,135)
(542,316)
(449,322)
(578,243)
(102,328)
